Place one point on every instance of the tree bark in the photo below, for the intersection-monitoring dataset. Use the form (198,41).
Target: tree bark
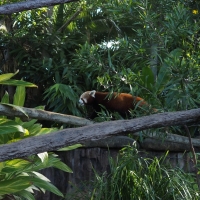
(43,115)
(29,5)
(71,136)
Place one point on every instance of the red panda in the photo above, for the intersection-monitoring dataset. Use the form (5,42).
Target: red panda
(119,102)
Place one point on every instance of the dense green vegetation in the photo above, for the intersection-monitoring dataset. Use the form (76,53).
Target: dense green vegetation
(140,47)
(20,177)
(146,48)
(134,177)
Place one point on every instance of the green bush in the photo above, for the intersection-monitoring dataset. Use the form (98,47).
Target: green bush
(136,178)
(20,177)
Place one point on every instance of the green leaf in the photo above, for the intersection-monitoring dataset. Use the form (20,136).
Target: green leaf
(7,122)
(18,83)
(5,77)
(11,129)
(62,166)
(5,98)
(69,148)
(163,78)
(18,108)
(16,166)
(29,123)
(43,131)
(35,128)
(2,165)
(46,185)
(25,194)
(14,185)
(176,52)
(147,77)
(40,107)
(43,157)
(41,176)
(19,97)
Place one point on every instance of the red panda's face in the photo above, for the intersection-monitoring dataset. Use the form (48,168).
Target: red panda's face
(87,98)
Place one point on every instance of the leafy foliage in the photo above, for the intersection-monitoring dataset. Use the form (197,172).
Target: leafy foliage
(146,48)
(133,177)
(20,177)
(140,47)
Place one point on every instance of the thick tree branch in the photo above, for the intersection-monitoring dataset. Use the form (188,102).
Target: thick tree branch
(43,115)
(66,137)
(29,5)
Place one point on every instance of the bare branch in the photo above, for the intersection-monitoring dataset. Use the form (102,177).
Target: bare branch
(29,5)
(66,137)
(43,115)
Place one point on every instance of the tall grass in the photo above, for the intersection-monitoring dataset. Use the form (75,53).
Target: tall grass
(132,177)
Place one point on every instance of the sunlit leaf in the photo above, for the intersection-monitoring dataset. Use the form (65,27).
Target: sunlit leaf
(69,148)
(63,166)
(43,157)
(46,185)
(19,96)
(5,98)
(18,108)
(17,83)
(5,77)
(46,131)
(41,176)
(14,185)
(11,129)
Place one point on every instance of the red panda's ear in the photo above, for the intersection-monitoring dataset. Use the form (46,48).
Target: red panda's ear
(92,93)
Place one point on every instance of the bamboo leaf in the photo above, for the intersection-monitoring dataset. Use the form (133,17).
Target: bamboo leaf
(18,108)
(5,98)
(147,77)
(163,78)
(19,97)
(25,195)
(46,185)
(11,129)
(69,148)
(17,83)
(5,77)
(43,157)
(14,185)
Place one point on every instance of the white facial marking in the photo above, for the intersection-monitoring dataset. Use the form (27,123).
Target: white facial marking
(83,100)
(92,93)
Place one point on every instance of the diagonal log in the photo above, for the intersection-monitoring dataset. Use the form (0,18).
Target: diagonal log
(42,115)
(81,135)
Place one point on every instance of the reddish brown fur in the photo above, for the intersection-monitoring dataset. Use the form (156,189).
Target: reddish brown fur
(119,102)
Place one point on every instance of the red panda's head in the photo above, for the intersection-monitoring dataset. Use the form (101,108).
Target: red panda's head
(87,98)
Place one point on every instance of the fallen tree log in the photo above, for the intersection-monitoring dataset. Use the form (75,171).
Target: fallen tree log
(26,113)
(81,135)
(168,141)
